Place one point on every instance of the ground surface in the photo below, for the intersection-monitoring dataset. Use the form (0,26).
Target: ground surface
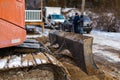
(106,50)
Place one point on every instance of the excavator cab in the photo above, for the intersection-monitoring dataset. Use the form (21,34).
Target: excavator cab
(12,29)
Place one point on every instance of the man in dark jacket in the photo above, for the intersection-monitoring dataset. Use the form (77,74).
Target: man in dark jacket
(81,24)
(76,22)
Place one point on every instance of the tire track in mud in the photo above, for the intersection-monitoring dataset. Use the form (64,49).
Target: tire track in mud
(108,59)
(111,54)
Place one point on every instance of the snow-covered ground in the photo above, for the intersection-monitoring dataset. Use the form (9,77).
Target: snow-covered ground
(106,44)
(106,50)
(39,31)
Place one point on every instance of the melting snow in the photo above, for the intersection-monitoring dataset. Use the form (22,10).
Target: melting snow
(38,61)
(39,30)
(3,63)
(15,61)
(43,61)
(106,40)
(25,63)
(100,38)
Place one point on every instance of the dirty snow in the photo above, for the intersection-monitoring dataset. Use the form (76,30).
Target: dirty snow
(71,12)
(15,61)
(38,61)
(25,63)
(43,61)
(39,30)
(108,39)
(101,41)
(104,42)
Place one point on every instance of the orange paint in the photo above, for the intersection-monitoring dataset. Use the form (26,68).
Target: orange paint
(12,22)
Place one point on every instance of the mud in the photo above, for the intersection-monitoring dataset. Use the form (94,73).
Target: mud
(50,72)
(42,72)
(35,72)
(111,69)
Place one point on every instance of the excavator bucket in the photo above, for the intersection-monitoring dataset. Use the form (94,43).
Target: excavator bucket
(80,47)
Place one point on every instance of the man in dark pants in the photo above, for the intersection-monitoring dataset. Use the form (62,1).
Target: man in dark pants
(81,24)
(76,22)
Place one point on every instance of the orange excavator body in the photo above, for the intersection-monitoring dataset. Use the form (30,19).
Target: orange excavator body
(12,22)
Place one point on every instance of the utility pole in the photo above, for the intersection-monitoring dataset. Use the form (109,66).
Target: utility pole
(41,4)
(41,9)
(82,7)
(82,16)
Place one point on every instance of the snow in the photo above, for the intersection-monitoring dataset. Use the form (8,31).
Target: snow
(3,63)
(109,14)
(39,30)
(30,45)
(38,61)
(109,41)
(15,61)
(43,61)
(67,9)
(101,41)
(25,63)
(33,36)
(30,63)
(70,11)
(106,54)
(107,38)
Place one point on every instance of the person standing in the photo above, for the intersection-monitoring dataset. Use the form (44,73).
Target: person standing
(81,23)
(76,22)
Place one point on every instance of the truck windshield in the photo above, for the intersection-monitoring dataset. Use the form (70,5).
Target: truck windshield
(57,17)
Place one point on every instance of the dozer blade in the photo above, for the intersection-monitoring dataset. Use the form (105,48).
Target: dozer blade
(80,47)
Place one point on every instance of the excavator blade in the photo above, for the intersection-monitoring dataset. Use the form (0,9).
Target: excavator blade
(80,47)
